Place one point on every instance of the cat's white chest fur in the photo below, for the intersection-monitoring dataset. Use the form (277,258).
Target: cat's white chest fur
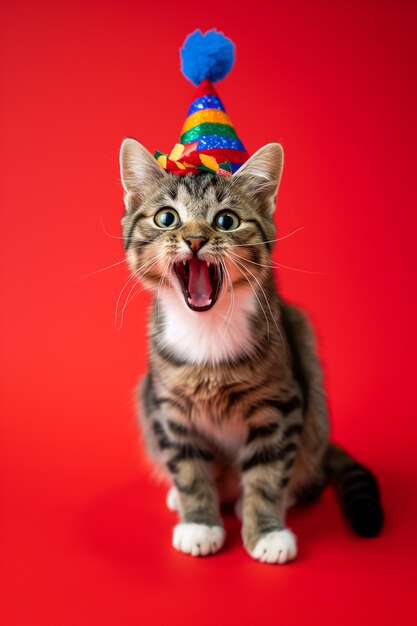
(219,334)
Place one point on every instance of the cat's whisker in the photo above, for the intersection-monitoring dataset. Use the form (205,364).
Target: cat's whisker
(232,296)
(103,269)
(116,313)
(253,262)
(278,266)
(126,302)
(136,293)
(160,284)
(138,278)
(224,288)
(262,243)
(109,234)
(229,314)
(298,269)
(268,304)
(254,291)
(170,268)
(135,275)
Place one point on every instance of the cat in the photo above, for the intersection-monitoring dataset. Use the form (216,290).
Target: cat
(233,407)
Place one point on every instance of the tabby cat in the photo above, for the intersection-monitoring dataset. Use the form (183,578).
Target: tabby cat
(233,407)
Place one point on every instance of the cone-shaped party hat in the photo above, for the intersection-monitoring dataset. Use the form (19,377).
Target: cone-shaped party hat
(208,140)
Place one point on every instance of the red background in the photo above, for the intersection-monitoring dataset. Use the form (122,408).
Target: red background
(86,538)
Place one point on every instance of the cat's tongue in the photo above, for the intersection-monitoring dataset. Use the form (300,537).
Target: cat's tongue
(199,284)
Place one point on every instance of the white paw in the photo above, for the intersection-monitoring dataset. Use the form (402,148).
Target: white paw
(198,539)
(173,500)
(279,546)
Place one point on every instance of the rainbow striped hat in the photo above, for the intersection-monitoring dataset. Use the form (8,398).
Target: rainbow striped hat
(208,140)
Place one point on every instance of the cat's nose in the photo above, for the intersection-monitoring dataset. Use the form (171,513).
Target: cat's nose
(195,242)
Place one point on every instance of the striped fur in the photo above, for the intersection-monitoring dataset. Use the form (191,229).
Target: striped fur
(233,404)
(358,492)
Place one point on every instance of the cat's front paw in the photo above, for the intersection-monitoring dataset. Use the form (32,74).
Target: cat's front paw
(278,546)
(198,539)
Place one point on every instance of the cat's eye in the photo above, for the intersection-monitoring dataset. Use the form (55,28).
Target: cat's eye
(167,218)
(226,220)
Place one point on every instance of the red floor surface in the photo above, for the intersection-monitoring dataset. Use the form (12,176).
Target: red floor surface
(85,536)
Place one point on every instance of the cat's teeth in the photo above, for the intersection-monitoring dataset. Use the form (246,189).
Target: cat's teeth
(208,303)
(208,263)
(184,262)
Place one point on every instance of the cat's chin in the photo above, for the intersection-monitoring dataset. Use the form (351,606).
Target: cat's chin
(200,283)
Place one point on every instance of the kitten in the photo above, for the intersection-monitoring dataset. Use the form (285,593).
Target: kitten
(233,406)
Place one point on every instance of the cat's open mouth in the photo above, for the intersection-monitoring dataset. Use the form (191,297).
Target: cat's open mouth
(200,283)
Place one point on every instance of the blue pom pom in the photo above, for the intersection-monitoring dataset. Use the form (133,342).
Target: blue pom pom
(207,56)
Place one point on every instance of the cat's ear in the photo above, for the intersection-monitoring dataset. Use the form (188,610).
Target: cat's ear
(138,168)
(262,172)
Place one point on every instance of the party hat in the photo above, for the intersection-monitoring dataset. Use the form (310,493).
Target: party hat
(208,140)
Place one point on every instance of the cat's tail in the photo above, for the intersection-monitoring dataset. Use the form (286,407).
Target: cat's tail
(358,491)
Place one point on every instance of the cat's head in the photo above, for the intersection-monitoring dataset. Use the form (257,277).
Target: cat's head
(201,235)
